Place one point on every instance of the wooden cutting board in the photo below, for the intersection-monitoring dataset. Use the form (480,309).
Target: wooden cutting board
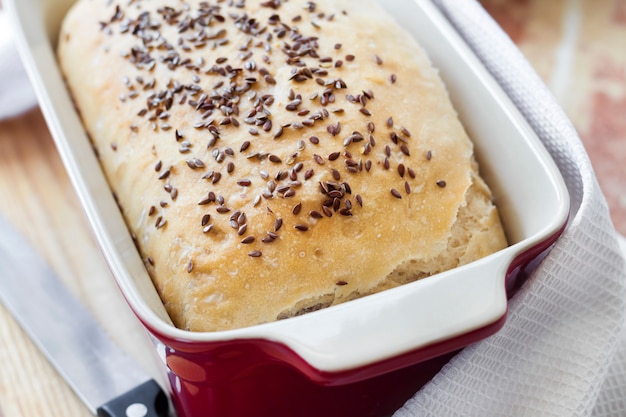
(37,197)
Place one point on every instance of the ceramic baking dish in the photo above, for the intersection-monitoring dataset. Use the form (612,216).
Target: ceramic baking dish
(361,358)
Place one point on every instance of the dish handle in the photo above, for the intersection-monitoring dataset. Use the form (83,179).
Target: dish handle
(401,326)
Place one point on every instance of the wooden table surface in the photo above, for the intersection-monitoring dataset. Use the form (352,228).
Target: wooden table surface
(37,197)
(578,48)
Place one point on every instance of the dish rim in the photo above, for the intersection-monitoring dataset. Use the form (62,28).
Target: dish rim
(122,256)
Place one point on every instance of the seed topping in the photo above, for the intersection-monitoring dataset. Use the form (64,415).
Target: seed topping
(236,95)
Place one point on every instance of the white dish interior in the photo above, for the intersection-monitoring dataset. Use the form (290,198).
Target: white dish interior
(530,193)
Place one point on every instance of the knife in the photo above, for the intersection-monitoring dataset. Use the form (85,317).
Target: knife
(108,381)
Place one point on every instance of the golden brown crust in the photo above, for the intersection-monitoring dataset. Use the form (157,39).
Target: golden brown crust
(178,102)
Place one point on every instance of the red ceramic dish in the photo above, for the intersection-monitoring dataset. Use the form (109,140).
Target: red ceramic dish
(361,358)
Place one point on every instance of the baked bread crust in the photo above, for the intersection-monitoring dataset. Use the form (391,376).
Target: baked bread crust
(272,158)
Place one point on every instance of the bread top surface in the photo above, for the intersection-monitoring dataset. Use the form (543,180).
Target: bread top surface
(272,157)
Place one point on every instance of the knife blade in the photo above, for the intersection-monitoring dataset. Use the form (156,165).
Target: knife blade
(107,380)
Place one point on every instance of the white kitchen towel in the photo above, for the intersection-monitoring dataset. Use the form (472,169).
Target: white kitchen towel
(16,93)
(562,351)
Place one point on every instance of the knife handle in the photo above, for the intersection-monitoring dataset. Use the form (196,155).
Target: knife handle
(145,400)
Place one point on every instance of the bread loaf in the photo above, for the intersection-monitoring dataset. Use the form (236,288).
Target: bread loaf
(272,158)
